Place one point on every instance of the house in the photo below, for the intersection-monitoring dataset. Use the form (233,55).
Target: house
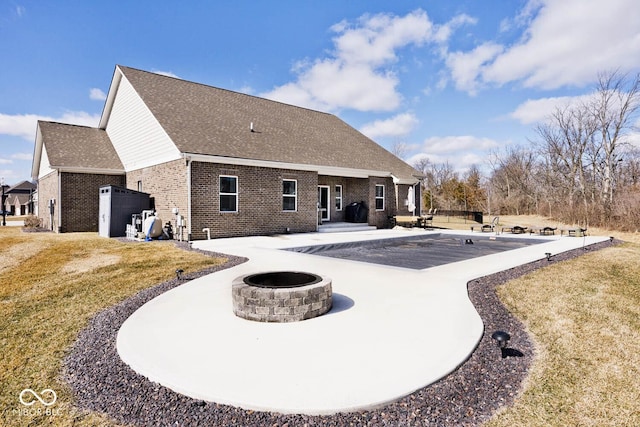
(215,159)
(19,198)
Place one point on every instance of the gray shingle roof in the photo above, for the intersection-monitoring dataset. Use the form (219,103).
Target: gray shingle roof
(24,187)
(22,199)
(206,120)
(71,146)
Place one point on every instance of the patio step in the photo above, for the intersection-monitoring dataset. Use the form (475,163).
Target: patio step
(341,227)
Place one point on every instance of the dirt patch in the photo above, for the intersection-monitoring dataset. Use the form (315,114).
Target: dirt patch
(16,254)
(93,261)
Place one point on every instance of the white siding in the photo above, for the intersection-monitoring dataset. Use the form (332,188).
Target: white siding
(135,133)
(45,166)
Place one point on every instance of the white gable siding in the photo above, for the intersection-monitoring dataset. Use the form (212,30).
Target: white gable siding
(45,166)
(136,135)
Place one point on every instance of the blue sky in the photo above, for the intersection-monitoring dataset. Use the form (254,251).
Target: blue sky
(449,80)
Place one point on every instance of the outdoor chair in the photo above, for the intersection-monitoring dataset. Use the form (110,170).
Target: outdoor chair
(516,229)
(490,227)
(543,231)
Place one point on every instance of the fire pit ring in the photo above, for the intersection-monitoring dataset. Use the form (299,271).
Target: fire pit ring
(281,296)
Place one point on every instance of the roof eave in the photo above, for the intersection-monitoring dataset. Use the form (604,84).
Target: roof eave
(96,171)
(37,153)
(320,169)
(111,96)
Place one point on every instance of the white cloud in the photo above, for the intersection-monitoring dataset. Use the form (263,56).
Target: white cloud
(633,138)
(166,73)
(443,32)
(375,40)
(24,125)
(22,156)
(359,73)
(97,94)
(399,125)
(564,42)
(537,110)
(5,161)
(453,144)
(247,90)
(460,163)
(465,66)
(461,152)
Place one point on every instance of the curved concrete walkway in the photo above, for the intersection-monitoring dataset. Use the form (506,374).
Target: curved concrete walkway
(391,330)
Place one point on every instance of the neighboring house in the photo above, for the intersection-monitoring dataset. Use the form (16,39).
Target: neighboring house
(18,204)
(19,198)
(233,163)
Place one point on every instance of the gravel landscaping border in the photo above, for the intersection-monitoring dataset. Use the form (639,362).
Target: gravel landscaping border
(468,396)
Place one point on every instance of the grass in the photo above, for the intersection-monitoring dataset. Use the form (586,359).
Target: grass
(583,315)
(584,318)
(51,286)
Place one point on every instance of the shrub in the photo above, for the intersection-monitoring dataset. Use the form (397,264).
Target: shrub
(32,221)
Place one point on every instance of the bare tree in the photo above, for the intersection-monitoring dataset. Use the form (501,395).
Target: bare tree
(566,138)
(399,149)
(475,194)
(426,168)
(512,180)
(616,104)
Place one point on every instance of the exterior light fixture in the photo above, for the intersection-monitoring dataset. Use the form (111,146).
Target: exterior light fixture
(501,338)
(179,273)
(548,255)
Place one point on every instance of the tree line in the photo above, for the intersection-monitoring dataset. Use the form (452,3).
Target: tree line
(580,167)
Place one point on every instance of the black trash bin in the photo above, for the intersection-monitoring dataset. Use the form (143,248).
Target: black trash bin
(350,212)
(362,213)
(356,212)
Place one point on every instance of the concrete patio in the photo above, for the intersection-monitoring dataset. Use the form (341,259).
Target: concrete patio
(391,330)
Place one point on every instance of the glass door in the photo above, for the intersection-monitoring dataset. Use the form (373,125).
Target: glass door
(323,202)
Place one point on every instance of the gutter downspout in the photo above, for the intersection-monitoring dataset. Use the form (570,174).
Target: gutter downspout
(188,160)
(396,181)
(59,203)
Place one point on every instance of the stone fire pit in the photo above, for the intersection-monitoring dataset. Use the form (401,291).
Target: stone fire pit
(281,296)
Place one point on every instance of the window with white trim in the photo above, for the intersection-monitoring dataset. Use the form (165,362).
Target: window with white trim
(338,190)
(379,197)
(228,193)
(289,195)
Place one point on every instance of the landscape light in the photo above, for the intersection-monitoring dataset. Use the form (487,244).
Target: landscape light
(548,254)
(501,338)
(179,273)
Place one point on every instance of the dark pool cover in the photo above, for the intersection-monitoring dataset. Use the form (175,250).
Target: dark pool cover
(418,252)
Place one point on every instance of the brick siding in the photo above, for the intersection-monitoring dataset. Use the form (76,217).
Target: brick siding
(167,185)
(381,218)
(259,201)
(47,190)
(259,198)
(80,204)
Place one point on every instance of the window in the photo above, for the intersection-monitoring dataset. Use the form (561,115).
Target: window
(289,195)
(338,197)
(140,186)
(228,193)
(379,197)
